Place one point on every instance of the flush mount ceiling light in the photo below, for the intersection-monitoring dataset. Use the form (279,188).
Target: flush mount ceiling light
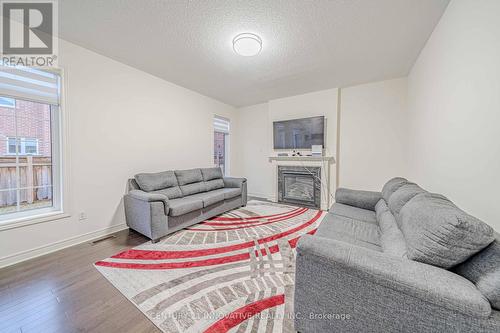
(247,44)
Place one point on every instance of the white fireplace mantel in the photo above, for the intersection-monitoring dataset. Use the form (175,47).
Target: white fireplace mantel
(323,162)
(302,158)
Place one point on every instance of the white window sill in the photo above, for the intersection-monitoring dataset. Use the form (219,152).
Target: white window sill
(18,222)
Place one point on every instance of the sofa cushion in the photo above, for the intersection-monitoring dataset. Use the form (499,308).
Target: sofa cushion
(183,206)
(392,186)
(228,192)
(401,196)
(391,237)
(188,176)
(171,192)
(156,181)
(214,184)
(483,269)
(380,207)
(353,212)
(211,173)
(209,198)
(193,188)
(350,231)
(439,233)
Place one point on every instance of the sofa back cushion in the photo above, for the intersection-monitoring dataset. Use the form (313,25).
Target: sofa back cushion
(401,196)
(439,233)
(173,192)
(392,240)
(190,181)
(392,186)
(156,181)
(380,208)
(212,178)
(483,269)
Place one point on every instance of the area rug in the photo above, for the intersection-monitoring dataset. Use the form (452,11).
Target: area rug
(234,272)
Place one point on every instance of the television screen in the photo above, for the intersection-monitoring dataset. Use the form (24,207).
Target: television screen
(299,133)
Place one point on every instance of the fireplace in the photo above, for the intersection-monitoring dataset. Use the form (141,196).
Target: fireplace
(300,185)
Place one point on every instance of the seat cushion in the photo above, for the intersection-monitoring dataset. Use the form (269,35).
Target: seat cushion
(185,205)
(350,231)
(185,177)
(156,181)
(483,269)
(208,198)
(353,212)
(438,233)
(229,192)
(392,186)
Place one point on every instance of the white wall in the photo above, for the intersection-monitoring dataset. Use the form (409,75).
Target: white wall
(122,121)
(255,143)
(252,149)
(454,108)
(373,130)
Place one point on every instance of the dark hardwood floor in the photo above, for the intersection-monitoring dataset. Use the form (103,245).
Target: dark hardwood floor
(63,292)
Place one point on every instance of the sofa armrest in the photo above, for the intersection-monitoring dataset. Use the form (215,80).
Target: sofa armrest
(234,182)
(357,198)
(150,197)
(380,277)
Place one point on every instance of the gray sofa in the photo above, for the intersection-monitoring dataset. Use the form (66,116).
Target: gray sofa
(160,203)
(399,260)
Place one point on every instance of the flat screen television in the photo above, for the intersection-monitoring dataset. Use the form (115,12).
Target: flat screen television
(299,133)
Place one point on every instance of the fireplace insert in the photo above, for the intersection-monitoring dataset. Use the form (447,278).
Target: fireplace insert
(299,185)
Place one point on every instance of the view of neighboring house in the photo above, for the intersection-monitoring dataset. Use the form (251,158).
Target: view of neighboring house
(25,141)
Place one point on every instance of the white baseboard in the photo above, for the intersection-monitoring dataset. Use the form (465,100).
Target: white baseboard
(59,245)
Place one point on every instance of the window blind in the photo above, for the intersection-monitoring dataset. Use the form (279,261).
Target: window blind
(221,124)
(29,84)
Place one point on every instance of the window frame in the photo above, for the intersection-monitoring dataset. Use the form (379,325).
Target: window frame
(7,105)
(60,208)
(227,134)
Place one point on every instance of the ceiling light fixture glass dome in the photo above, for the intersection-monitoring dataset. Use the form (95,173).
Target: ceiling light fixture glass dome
(247,44)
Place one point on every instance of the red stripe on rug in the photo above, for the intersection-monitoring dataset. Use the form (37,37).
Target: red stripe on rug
(152,255)
(248,221)
(244,313)
(277,219)
(173,265)
(221,218)
(291,231)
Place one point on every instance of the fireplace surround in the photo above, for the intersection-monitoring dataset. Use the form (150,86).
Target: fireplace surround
(299,185)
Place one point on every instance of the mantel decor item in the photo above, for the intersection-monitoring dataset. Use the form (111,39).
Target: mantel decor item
(317,150)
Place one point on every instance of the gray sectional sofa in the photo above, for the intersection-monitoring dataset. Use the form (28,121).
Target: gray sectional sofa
(160,203)
(399,260)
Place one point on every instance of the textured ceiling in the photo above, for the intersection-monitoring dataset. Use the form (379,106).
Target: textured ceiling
(307,45)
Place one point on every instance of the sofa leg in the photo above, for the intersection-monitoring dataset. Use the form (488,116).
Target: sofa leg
(155,240)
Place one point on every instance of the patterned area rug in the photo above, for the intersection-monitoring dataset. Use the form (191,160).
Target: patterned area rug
(233,273)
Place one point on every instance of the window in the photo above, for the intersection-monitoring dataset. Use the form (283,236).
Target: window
(25,146)
(30,177)
(221,143)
